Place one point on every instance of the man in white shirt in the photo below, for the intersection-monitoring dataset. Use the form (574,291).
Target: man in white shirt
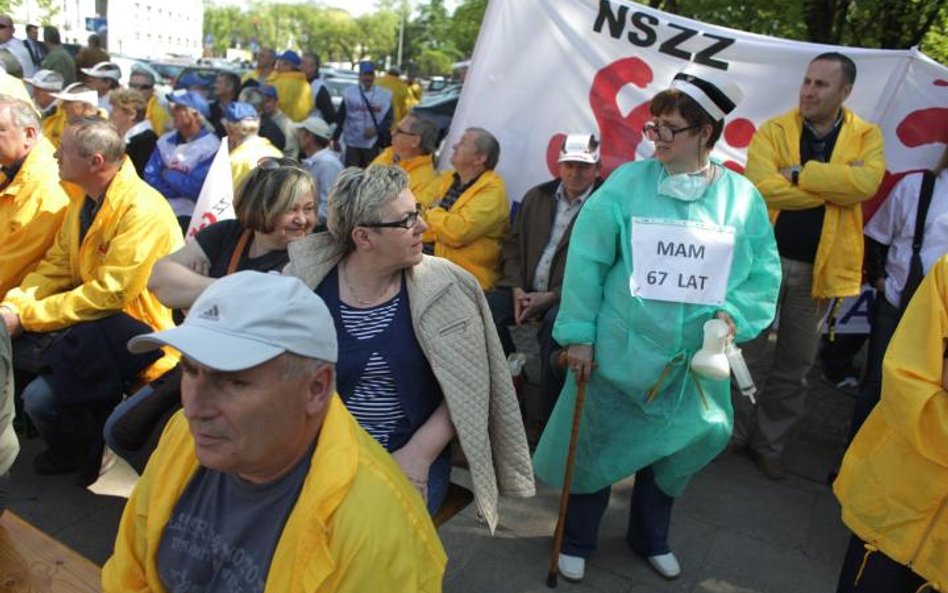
(15,46)
(323,164)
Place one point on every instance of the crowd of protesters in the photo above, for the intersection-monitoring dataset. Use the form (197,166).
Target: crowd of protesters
(290,383)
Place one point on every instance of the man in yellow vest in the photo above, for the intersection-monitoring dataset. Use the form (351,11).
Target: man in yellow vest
(296,98)
(399,90)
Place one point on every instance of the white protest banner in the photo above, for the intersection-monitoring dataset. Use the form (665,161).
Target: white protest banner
(680,261)
(216,200)
(546,68)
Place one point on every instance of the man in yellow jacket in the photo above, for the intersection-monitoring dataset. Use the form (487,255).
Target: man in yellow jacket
(814,166)
(32,201)
(296,97)
(264,481)
(399,90)
(468,209)
(894,476)
(95,273)
(414,141)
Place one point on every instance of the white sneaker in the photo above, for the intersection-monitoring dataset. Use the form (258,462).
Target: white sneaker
(572,568)
(664,564)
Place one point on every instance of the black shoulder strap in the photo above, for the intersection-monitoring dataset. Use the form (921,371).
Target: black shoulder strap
(368,106)
(924,201)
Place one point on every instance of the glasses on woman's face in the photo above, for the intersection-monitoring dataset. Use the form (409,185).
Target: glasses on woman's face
(406,223)
(656,131)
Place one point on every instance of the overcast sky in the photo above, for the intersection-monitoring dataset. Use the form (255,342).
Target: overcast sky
(355,7)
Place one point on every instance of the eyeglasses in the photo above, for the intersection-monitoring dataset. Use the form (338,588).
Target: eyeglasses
(656,131)
(397,131)
(141,87)
(2,26)
(406,223)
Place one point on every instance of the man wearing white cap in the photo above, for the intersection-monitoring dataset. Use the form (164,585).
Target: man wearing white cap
(666,246)
(533,255)
(103,77)
(45,83)
(264,481)
(322,163)
(814,166)
(75,101)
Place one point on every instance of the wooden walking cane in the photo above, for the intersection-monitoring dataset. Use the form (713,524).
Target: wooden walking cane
(553,571)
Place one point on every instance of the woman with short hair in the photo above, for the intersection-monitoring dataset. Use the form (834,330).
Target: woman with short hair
(128,115)
(419,358)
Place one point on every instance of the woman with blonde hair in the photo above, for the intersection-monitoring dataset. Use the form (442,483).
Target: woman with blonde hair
(420,362)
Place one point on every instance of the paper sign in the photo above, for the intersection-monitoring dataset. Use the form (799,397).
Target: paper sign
(681,261)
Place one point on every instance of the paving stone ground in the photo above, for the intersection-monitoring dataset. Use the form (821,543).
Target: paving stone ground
(734,530)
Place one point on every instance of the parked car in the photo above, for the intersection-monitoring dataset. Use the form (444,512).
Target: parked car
(336,85)
(440,108)
(169,71)
(129,65)
(205,73)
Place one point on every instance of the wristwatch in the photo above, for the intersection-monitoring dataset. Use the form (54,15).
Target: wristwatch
(795,175)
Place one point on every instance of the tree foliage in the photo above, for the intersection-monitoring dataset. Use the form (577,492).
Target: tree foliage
(434,38)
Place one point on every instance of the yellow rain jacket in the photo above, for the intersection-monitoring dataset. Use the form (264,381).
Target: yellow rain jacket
(108,272)
(841,187)
(293,92)
(420,169)
(471,232)
(32,208)
(245,157)
(53,126)
(358,525)
(399,91)
(893,484)
(160,119)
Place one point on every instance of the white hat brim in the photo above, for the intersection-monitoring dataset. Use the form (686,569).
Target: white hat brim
(216,350)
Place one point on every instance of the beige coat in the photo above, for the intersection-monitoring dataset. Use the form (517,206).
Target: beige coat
(9,446)
(452,323)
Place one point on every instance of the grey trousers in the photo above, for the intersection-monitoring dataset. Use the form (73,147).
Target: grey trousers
(780,403)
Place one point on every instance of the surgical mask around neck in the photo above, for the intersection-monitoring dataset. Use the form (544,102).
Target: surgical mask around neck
(686,187)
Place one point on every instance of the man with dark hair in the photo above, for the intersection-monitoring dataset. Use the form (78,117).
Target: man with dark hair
(414,141)
(364,119)
(468,209)
(57,58)
(36,47)
(533,260)
(814,166)
(322,100)
(90,284)
(227,89)
(91,54)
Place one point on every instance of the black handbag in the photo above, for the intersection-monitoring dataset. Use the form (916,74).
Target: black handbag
(916,271)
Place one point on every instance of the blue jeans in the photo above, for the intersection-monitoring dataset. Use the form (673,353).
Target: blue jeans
(39,403)
(116,416)
(649,519)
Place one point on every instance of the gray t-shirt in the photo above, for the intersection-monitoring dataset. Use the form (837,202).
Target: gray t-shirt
(223,531)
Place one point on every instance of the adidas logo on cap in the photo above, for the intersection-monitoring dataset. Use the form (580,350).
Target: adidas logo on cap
(211,314)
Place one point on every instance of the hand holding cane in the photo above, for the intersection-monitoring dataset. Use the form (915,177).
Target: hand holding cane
(581,377)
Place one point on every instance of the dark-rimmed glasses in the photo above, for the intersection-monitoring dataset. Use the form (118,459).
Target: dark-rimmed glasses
(656,131)
(140,87)
(406,223)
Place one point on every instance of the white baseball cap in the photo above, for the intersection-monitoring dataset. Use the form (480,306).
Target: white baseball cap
(580,148)
(104,70)
(245,319)
(316,126)
(48,80)
(712,89)
(85,95)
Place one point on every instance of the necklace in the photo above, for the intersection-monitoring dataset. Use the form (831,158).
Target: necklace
(345,278)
